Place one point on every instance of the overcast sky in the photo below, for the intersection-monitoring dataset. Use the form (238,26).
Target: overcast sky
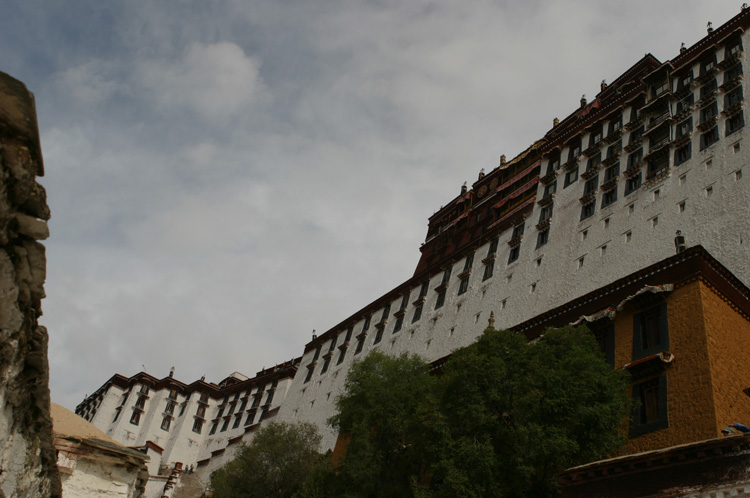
(225,176)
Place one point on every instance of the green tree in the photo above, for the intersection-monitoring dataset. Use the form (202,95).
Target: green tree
(387,402)
(518,413)
(502,419)
(282,461)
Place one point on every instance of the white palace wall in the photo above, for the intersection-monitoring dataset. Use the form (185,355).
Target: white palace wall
(706,197)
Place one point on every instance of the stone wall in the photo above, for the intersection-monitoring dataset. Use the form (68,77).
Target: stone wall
(27,457)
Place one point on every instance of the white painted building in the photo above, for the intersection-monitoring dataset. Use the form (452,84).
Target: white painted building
(600,196)
(197,425)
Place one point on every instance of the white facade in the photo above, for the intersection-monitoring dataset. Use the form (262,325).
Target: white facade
(579,248)
(196,425)
(707,197)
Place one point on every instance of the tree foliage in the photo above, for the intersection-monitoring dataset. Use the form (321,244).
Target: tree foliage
(282,461)
(504,417)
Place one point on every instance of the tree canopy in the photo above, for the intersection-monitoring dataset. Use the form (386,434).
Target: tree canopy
(502,419)
(282,461)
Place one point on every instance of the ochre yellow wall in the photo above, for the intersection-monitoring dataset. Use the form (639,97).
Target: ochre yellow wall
(728,349)
(690,398)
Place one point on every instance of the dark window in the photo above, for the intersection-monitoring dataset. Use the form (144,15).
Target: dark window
(400,319)
(135,418)
(735,123)
(378,336)
(225,425)
(685,80)
(683,153)
(327,362)
(315,357)
(360,345)
(636,135)
(165,423)
(709,112)
(684,128)
(440,300)
(214,426)
(596,137)
(463,286)
(493,247)
(169,408)
(732,73)
(650,332)
(249,419)
(198,426)
(550,189)
(237,421)
(204,397)
(571,177)
(708,88)
(269,397)
(660,87)
(489,268)
(635,158)
(117,414)
(554,162)
(144,389)
(518,230)
(708,64)
(387,308)
(591,185)
(417,314)
(140,402)
(733,97)
(733,48)
(243,405)
(546,213)
(575,150)
(231,409)
(542,238)
(609,197)
(658,162)
(650,413)
(588,210)
(604,332)
(612,172)
(685,103)
(307,377)
(514,253)
(594,162)
(614,149)
(423,290)
(367,324)
(172,394)
(710,137)
(615,124)
(467,266)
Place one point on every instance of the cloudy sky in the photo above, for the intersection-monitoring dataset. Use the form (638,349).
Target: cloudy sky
(227,175)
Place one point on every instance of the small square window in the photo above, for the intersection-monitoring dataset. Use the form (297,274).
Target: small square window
(654,221)
(738,175)
(476,317)
(683,179)
(580,262)
(503,303)
(532,289)
(538,261)
(736,147)
(584,234)
(603,249)
(709,164)
(681,207)
(628,236)
(709,191)
(606,222)
(631,209)
(657,193)
(509,278)
(542,238)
